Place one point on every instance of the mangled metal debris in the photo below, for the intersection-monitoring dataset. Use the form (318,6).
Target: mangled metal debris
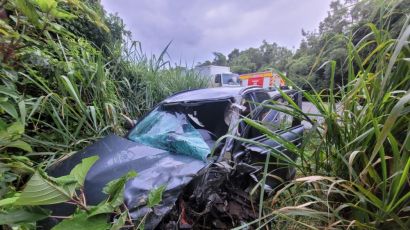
(217,198)
(171,146)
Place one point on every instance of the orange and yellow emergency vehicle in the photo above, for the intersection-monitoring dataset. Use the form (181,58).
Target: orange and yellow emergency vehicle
(266,79)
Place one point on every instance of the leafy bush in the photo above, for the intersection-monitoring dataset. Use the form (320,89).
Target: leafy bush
(144,81)
(63,86)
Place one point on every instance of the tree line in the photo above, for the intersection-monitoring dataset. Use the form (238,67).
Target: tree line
(305,65)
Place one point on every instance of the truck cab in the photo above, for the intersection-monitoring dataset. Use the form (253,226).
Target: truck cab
(226,80)
(219,76)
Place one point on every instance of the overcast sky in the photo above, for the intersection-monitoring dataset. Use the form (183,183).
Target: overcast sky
(199,27)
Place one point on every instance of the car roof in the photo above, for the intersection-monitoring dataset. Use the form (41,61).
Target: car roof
(210,94)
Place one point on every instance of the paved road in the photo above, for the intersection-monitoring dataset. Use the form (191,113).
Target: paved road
(308,107)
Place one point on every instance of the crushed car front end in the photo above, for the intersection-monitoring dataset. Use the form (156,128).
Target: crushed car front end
(190,145)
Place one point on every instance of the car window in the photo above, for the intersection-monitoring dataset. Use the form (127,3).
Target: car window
(276,119)
(273,119)
(261,97)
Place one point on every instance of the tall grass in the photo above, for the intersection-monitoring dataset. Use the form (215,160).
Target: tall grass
(59,92)
(88,93)
(353,171)
(146,80)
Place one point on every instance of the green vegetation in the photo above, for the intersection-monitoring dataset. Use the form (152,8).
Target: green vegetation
(69,75)
(254,59)
(304,67)
(353,169)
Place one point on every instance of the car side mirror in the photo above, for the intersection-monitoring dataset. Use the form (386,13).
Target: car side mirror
(217,78)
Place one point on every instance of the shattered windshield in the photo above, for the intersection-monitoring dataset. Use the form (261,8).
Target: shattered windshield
(170,130)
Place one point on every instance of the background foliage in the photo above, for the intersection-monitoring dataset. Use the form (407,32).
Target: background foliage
(354,164)
(69,74)
(346,18)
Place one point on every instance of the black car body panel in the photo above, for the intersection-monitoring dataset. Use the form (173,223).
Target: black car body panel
(117,156)
(158,167)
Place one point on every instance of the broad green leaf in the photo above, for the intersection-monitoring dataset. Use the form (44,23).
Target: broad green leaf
(80,171)
(82,222)
(101,208)
(23,167)
(20,216)
(24,159)
(115,185)
(76,178)
(9,108)
(16,128)
(115,190)
(20,145)
(13,132)
(65,180)
(10,200)
(155,196)
(46,5)
(40,190)
(119,222)
(10,92)
(68,183)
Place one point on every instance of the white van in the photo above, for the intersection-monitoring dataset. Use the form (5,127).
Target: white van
(219,76)
(225,80)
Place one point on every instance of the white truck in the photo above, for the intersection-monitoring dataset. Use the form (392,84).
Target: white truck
(219,76)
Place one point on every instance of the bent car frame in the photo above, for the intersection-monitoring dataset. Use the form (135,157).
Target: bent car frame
(195,143)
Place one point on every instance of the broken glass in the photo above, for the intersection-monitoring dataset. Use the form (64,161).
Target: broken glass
(170,130)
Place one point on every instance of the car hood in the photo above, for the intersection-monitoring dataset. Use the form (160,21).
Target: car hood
(117,156)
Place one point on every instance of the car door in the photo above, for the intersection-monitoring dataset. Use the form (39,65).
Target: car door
(284,128)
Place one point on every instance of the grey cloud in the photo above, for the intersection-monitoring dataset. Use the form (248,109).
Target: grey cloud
(199,27)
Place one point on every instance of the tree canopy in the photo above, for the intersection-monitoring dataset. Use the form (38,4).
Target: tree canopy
(305,65)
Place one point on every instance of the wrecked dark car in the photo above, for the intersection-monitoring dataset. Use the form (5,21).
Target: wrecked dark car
(192,144)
